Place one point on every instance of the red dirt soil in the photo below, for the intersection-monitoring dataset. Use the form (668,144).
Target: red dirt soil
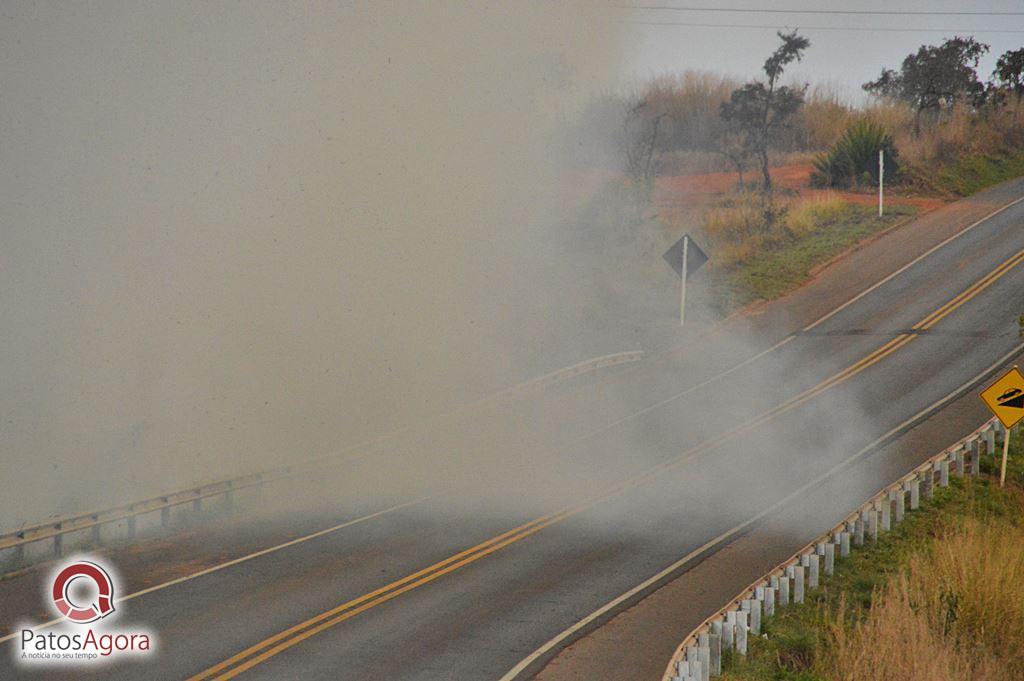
(690,191)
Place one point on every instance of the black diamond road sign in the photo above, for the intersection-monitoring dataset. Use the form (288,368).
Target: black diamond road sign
(695,257)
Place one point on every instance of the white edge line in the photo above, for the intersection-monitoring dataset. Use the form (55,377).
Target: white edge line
(892,275)
(241,559)
(910,264)
(513,673)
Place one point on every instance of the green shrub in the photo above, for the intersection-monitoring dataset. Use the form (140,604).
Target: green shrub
(854,158)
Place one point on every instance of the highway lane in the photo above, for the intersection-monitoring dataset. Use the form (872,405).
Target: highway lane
(474,622)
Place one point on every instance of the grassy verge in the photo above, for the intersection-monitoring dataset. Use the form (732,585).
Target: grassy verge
(971,174)
(939,597)
(767,264)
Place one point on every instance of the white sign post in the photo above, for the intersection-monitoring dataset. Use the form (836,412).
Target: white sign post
(682,296)
(685,257)
(881,176)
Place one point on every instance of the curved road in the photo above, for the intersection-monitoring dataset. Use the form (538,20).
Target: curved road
(465,549)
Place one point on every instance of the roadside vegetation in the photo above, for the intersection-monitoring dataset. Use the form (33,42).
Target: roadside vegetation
(946,132)
(939,597)
(761,260)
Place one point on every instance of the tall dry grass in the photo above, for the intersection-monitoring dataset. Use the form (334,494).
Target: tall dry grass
(956,612)
(747,224)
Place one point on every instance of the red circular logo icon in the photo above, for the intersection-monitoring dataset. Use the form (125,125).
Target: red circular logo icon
(84,613)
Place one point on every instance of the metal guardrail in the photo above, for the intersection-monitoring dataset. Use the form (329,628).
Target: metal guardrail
(699,656)
(56,528)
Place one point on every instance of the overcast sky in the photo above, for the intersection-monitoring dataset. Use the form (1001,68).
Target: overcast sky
(846,49)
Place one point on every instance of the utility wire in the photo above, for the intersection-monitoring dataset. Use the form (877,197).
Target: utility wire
(828,28)
(764,10)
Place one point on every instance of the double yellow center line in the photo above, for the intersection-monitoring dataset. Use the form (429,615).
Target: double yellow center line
(292,636)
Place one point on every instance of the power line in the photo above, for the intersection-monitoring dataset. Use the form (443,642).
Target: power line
(764,10)
(828,28)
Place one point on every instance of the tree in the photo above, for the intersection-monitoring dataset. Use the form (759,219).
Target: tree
(1009,73)
(640,135)
(934,76)
(758,109)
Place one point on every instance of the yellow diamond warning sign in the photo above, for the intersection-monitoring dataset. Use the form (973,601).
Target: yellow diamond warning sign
(1005,397)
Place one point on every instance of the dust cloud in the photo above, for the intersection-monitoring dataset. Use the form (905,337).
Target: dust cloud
(239,235)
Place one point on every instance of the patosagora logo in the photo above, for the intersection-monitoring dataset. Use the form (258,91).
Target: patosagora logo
(82,594)
(75,612)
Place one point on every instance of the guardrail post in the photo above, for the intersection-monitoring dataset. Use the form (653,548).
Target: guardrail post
(812,572)
(830,558)
(798,584)
(961,466)
(844,544)
(755,616)
(704,655)
(976,457)
(858,532)
(990,440)
(769,601)
(873,524)
(886,514)
(944,473)
(683,670)
(741,633)
(783,590)
(693,659)
(729,630)
(899,497)
(928,481)
(915,494)
(715,648)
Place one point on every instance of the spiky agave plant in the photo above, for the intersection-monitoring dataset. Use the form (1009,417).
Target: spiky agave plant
(854,158)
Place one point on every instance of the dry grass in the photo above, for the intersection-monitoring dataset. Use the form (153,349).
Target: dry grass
(745,225)
(956,612)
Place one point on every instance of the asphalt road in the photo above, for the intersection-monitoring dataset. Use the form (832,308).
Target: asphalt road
(524,520)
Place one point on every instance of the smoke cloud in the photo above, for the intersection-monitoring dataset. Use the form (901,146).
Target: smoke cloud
(235,236)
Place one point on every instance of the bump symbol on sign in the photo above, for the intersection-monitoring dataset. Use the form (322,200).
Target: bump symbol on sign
(1005,397)
(1014,397)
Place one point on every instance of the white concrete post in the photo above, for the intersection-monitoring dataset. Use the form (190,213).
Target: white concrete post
(729,630)
(961,467)
(741,633)
(844,544)
(783,591)
(798,584)
(873,524)
(704,655)
(715,646)
(812,572)
(915,494)
(990,440)
(755,617)
(944,473)
(900,505)
(886,515)
(830,558)
(858,532)
(693,657)
(769,601)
